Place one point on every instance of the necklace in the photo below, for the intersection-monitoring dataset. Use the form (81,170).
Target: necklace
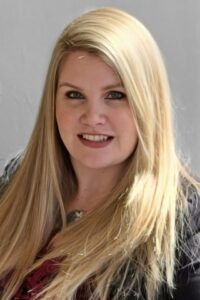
(74,215)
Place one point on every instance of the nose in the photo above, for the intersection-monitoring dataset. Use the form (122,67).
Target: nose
(93,114)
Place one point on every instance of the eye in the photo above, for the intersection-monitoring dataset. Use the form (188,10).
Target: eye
(74,95)
(116,95)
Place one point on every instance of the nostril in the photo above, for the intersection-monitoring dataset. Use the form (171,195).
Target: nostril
(93,118)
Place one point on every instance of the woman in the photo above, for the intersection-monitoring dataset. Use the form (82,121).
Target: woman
(99,206)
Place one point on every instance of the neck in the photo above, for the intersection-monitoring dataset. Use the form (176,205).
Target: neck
(94,185)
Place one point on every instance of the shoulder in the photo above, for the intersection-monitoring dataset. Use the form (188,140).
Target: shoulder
(191,240)
(9,169)
(194,209)
(188,270)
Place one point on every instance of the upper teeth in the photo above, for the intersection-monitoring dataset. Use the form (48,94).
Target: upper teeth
(95,138)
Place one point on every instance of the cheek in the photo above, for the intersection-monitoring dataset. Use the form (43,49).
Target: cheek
(125,122)
(128,130)
(132,130)
(63,117)
(67,126)
(61,120)
(63,123)
(64,128)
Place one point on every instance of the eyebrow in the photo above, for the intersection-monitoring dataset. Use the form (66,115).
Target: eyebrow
(111,86)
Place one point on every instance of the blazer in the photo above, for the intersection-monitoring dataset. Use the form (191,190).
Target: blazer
(187,274)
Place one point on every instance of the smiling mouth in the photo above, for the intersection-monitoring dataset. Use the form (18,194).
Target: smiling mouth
(95,137)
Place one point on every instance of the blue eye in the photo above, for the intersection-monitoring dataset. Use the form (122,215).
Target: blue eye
(74,95)
(116,95)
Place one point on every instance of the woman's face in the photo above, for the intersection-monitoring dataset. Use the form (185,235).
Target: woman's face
(93,115)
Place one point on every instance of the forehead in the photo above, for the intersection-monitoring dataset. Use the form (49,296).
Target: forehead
(81,66)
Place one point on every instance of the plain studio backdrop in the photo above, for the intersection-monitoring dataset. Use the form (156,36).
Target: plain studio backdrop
(29,29)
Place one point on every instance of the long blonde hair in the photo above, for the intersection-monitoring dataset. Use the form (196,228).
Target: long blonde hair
(137,227)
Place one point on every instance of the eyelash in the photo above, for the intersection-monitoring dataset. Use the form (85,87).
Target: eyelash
(69,95)
(120,95)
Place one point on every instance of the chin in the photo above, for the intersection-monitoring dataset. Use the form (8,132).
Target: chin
(96,165)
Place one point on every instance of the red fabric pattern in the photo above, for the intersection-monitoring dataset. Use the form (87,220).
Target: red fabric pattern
(37,279)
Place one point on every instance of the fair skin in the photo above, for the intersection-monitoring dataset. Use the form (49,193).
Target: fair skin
(96,125)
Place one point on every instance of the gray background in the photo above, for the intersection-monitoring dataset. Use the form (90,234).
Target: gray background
(29,29)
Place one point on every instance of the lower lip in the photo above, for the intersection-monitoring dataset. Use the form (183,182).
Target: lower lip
(93,144)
